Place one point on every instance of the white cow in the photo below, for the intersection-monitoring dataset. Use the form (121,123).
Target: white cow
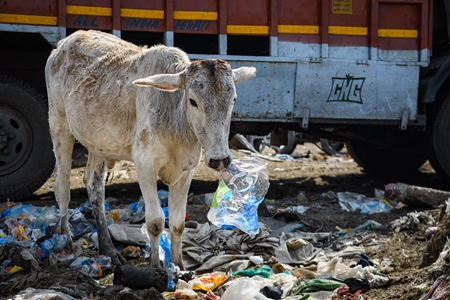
(92,83)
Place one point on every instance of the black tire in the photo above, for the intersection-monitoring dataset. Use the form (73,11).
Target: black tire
(331,147)
(292,143)
(379,160)
(26,151)
(437,137)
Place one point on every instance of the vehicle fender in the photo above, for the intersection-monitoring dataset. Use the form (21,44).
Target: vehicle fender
(430,85)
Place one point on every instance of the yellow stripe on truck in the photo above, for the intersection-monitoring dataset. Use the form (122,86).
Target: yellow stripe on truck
(89,10)
(195,15)
(398,33)
(141,13)
(28,19)
(347,30)
(299,29)
(247,29)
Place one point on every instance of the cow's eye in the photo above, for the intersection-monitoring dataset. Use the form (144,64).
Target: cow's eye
(193,103)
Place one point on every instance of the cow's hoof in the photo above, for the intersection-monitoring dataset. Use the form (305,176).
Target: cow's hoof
(118,260)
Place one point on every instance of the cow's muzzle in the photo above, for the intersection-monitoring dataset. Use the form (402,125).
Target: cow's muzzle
(219,164)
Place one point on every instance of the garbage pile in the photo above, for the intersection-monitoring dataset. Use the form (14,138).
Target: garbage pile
(225,259)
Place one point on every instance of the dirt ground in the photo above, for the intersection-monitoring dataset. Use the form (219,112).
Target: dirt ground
(304,181)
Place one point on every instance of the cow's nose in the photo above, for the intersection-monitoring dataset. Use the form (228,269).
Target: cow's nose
(219,164)
(226,161)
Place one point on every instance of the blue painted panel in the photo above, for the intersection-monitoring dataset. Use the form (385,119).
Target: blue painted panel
(269,95)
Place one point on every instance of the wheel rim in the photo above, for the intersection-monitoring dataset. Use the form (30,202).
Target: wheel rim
(15,139)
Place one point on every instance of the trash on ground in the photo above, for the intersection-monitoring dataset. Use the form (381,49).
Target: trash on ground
(357,202)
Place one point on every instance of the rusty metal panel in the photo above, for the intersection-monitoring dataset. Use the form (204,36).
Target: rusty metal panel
(89,14)
(139,15)
(29,12)
(143,4)
(81,21)
(299,21)
(249,17)
(270,95)
(349,29)
(399,26)
(291,90)
(196,16)
(30,7)
(339,89)
(92,3)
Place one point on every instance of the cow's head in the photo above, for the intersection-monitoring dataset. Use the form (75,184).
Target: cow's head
(209,98)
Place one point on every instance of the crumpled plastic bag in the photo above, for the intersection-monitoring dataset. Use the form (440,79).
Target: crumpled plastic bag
(297,251)
(37,294)
(336,268)
(353,202)
(242,187)
(242,288)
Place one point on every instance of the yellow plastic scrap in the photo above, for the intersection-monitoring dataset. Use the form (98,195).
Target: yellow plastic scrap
(19,233)
(13,269)
(181,294)
(208,282)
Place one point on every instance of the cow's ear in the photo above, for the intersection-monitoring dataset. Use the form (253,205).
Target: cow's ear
(243,73)
(164,82)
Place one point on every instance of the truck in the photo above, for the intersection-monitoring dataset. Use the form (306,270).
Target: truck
(374,74)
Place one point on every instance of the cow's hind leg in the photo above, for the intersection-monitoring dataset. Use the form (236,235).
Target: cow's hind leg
(94,176)
(177,213)
(63,143)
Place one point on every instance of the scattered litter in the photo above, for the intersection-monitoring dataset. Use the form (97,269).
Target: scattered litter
(284,156)
(368,225)
(353,202)
(274,260)
(35,294)
(411,221)
(93,267)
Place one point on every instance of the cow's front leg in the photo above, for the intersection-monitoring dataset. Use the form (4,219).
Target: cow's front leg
(154,216)
(94,175)
(177,214)
(63,146)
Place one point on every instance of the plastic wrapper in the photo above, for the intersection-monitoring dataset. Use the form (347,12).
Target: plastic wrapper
(242,187)
(131,251)
(92,266)
(353,202)
(53,244)
(181,294)
(78,224)
(208,282)
(64,257)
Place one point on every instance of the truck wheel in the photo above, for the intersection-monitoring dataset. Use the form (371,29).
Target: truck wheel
(26,155)
(332,147)
(379,160)
(291,145)
(438,137)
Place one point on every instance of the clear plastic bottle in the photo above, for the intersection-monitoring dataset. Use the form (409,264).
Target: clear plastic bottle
(242,187)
